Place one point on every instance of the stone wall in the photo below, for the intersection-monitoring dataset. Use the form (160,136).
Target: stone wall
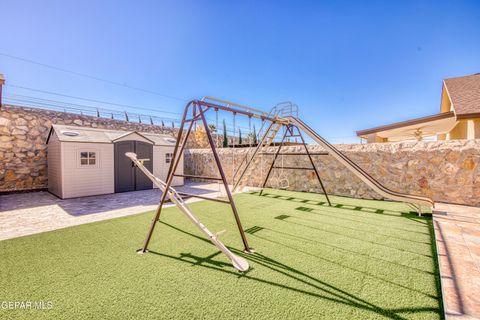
(447,171)
(23,133)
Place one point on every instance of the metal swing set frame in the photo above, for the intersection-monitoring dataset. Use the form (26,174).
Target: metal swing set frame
(284,115)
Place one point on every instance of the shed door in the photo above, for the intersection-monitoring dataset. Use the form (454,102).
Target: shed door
(144,151)
(127,177)
(124,173)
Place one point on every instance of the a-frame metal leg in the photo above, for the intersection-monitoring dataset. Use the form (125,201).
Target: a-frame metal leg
(197,114)
(173,166)
(289,128)
(273,162)
(314,167)
(249,162)
(247,248)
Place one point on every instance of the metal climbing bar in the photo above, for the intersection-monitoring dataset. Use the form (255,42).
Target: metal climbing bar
(273,162)
(295,153)
(192,195)
(289,132)
(190,176)
(293,168)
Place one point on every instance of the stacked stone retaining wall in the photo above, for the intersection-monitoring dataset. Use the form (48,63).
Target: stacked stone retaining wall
(447,171)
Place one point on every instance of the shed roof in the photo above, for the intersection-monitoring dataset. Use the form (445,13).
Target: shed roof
(67,133)
(464,93)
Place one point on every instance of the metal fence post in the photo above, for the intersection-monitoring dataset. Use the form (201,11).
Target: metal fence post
(2,82)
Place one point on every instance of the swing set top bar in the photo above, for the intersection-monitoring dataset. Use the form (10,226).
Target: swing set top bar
(241,109)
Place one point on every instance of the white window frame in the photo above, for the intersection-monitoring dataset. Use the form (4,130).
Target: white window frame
(168,157)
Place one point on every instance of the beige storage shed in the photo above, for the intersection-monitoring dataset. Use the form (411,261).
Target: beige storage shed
(88,161)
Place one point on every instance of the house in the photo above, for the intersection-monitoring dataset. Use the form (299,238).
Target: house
(459,116)
(87,161)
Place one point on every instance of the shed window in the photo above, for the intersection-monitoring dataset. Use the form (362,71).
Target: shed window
(168,157)
(88,158)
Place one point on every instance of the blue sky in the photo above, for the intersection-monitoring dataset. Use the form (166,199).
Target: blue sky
(349,65)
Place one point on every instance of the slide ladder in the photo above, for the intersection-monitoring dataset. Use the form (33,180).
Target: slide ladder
(266,135)
(266,140)
(239,263)
(413,200)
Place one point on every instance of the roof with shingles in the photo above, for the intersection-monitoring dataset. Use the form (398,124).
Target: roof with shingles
(464,93)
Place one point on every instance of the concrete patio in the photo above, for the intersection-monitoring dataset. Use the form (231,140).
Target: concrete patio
(23,214)
(457,233)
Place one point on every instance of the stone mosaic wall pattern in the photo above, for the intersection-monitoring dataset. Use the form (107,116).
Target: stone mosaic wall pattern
(447,171)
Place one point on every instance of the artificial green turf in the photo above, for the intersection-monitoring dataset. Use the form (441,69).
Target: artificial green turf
(360,259)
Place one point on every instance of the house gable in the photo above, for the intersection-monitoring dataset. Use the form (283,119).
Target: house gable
(464,96)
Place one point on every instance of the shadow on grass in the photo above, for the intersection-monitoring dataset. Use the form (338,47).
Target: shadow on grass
(317,288)
(342,216)
(356,229)
(347,215)
(337,205)
(346,266)
(353,237)
(415,269)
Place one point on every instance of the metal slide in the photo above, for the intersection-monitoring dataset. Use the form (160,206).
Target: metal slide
(416,201)
(238,262)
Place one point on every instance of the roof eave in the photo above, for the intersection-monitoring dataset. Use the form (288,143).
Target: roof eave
(449,97)
(468,115)
(444,115)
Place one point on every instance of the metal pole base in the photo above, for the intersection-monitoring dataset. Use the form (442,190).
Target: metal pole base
(141,251)
(249,250)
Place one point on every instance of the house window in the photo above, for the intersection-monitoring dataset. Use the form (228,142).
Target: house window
(168,157)
(88,158)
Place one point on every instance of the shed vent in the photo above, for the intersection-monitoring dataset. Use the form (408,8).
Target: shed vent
(70,133)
